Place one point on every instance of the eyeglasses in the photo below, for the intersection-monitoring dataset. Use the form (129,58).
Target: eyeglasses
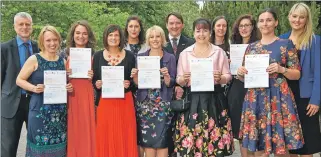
(245,26)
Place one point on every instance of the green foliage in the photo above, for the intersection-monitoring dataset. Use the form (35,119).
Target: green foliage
(100,14)
(61,15)
(231,10)
(155,12)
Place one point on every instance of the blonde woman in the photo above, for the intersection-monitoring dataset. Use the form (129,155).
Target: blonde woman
(306,90)
(47,127)
(153,112)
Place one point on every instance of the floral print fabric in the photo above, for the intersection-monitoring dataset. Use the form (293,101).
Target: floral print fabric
(270,119)
(205,129)
(154,118)
(47,123)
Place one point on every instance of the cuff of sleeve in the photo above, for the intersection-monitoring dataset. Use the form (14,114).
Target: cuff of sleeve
(314,101)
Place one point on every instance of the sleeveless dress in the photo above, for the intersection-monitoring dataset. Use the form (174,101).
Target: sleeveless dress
(47,128)
(270,120)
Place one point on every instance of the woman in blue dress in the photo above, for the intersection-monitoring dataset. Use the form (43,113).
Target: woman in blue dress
(47,128)
(270,121)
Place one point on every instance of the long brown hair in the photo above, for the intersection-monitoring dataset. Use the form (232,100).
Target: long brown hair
(70,37)
(226,44)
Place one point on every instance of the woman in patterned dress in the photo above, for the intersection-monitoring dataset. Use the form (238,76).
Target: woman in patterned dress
(270,122)
(244,32)
(47,127)
(135,43)
(152,105)
(205,128)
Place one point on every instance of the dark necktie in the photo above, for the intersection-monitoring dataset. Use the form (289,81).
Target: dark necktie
(27,52)
(174,45)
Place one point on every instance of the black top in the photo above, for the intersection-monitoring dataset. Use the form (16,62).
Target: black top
(294,84)
(226,49)
(128,62)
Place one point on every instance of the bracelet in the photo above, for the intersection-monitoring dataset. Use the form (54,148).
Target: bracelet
(285,71)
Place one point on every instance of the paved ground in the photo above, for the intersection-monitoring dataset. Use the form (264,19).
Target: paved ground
(22,146)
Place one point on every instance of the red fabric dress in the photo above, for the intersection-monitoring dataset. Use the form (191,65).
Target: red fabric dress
(116,127)
(81,119)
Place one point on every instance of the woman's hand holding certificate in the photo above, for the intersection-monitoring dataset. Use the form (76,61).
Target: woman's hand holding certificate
(55,91)
(39,88)
(257,75)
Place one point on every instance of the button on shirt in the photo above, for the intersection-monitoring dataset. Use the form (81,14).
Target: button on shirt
(22,53)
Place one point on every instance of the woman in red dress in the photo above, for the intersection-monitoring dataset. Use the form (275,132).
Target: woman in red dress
(116,121)
(81,109)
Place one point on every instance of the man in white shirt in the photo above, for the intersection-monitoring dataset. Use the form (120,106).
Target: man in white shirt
(177,42)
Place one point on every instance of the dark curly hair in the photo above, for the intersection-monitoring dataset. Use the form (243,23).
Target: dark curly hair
(236,37)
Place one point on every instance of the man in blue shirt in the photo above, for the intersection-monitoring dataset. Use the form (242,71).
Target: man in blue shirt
(14,100)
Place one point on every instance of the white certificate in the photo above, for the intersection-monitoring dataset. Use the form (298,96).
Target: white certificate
(202,78)
(256,66)
(112,78)
(55,91)
(148,72)
(80,62)
(236,55)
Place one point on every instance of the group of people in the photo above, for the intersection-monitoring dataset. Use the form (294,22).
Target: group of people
(282,119)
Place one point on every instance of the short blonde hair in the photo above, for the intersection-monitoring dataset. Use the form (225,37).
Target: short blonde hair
(158,30)
(304,39)
(51,29)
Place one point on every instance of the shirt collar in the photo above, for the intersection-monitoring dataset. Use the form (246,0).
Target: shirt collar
(213,49)
(20,41)
(171,37)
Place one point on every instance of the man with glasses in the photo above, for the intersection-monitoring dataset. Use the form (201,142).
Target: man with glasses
(14,100)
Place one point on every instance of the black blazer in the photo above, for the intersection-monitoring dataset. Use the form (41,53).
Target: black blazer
(10,68)
(183,43)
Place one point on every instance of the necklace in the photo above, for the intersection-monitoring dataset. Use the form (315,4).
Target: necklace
(112,60)
(201,53)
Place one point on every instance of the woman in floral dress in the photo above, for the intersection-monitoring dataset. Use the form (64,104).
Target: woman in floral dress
(47,127)
(270,121)
(152,105)
(205,128)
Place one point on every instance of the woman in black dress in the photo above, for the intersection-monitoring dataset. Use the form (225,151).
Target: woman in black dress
(220,34)
(244,32)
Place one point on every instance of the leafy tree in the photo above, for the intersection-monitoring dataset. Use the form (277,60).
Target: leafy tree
(236,8)
(155,12)
(61,15)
